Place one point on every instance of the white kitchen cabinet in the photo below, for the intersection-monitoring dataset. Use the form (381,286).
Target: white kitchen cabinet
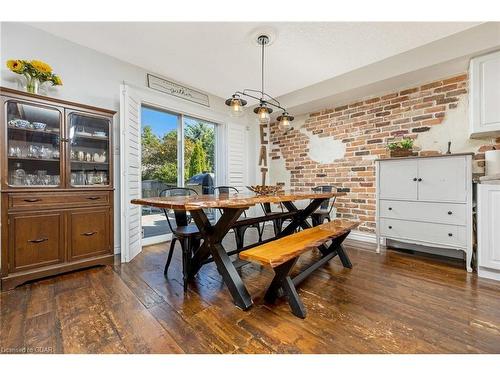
(484,95)
(426,201)
(488,238)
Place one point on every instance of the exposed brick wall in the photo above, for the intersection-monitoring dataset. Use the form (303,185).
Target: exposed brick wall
(366,127)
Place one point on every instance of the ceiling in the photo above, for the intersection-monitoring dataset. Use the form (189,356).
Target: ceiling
(220,58)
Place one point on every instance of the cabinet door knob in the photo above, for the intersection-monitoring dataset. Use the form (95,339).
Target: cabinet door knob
(390,208)
(450,234)
(32,200)
(450,213)
(419,180)
(38,240)
(390,226)
(415,179)
(88,233)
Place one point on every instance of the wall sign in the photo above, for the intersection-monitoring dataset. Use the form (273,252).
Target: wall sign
(171,88)
(263,152)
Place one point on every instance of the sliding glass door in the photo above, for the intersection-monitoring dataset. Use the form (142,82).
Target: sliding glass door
(177,150)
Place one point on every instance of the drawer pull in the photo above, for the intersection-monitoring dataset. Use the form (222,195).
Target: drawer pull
(450,213)
(32,200)
(38,240)
(390,208)
(415,179)
(419,180)
(88,233)
(390,226)
(94,198)
(450,234)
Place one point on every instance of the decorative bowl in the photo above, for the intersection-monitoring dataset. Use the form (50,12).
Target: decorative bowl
(39,125)
(19,123)
(264,189)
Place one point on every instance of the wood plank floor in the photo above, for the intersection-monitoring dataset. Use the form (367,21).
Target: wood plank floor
(388,303)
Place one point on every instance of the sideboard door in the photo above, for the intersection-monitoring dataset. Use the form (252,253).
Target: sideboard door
(442,179)
(397,179)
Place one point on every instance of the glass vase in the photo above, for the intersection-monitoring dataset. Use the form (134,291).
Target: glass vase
(32,85)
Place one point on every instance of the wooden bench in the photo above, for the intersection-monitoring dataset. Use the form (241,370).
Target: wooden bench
(283,253)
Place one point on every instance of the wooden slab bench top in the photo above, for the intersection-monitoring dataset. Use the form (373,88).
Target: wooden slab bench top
(198,202)
(284,249)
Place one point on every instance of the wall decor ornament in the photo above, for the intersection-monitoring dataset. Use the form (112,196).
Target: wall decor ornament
(36,73)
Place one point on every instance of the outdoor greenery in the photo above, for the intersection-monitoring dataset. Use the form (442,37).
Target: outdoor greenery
(159,155)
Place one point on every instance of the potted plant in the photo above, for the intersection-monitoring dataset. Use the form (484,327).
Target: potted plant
(401,148)
(36,72)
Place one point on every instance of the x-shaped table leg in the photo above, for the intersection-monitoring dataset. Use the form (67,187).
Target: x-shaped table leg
(212,237)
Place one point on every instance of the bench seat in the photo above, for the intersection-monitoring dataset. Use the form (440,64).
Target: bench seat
(282,254)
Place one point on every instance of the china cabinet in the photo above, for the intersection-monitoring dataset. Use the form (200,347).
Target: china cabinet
(56,186)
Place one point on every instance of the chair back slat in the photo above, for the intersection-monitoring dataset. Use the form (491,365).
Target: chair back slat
(181,216)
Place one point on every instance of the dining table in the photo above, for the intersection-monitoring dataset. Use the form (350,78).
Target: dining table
(232,207)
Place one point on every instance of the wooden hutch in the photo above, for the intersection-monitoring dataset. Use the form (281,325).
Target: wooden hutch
(56,187)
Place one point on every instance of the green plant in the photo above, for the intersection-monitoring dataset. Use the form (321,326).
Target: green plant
(404,144)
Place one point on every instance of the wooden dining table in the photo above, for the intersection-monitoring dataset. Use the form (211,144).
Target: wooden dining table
(232,207)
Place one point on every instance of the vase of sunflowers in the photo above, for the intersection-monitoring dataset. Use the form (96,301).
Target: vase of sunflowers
(36,73)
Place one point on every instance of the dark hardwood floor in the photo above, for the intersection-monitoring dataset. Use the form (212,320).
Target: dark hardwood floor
(388,303)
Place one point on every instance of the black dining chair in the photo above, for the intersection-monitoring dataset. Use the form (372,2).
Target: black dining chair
(184,231)
(323,212)
(239,230)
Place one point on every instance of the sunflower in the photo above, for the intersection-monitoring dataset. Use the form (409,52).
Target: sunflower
(17,66)
(56,80)
(42,67)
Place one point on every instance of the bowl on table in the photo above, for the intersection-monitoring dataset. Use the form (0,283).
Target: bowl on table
(265,189)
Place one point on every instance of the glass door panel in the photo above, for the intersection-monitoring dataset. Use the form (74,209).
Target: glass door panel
(159,159)
(88,150)
(33,145)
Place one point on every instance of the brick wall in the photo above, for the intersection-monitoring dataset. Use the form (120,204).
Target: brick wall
(365,127)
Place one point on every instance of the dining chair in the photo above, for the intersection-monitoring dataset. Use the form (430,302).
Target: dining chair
(323,212)
(184,231)
(239,230)
(278,221)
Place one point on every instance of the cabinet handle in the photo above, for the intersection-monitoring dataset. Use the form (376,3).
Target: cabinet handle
(88,233)
(415,179)
(450,213)
(94,198)
(64,139)
(38,240)
(390,208)
(419,180)
(390,226)
(450,234)
(32,200)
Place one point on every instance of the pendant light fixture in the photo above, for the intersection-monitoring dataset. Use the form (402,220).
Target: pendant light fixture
(266,102)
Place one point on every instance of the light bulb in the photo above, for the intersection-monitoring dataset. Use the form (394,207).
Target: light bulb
(263,114)
(284,123)
(236,108)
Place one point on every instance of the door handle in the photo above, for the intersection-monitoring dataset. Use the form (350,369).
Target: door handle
(38,240)
(31,200)
(88,233)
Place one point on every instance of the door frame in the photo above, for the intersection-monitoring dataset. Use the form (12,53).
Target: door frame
(154,99)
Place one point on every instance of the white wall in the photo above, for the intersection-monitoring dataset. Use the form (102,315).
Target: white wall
(89,77)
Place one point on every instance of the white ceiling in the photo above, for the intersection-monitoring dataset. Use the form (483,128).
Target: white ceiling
(220,58)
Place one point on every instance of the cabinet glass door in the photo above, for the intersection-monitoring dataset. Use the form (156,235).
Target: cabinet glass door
(33,145)
(88,150)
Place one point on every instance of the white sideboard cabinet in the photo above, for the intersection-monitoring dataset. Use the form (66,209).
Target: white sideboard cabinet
(426,201)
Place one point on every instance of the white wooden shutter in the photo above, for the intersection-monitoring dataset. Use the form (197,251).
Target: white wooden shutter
(130,157)
(237,163)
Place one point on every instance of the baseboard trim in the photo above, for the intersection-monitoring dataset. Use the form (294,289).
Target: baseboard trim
(357,235)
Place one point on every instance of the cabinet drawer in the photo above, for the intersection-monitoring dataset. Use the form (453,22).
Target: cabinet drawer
(58,199)
(89,233)
(445,213)
(35,240)
(438,234)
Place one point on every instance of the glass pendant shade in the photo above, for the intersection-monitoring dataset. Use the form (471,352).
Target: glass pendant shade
(236,105)
(284,121)
(263,112)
